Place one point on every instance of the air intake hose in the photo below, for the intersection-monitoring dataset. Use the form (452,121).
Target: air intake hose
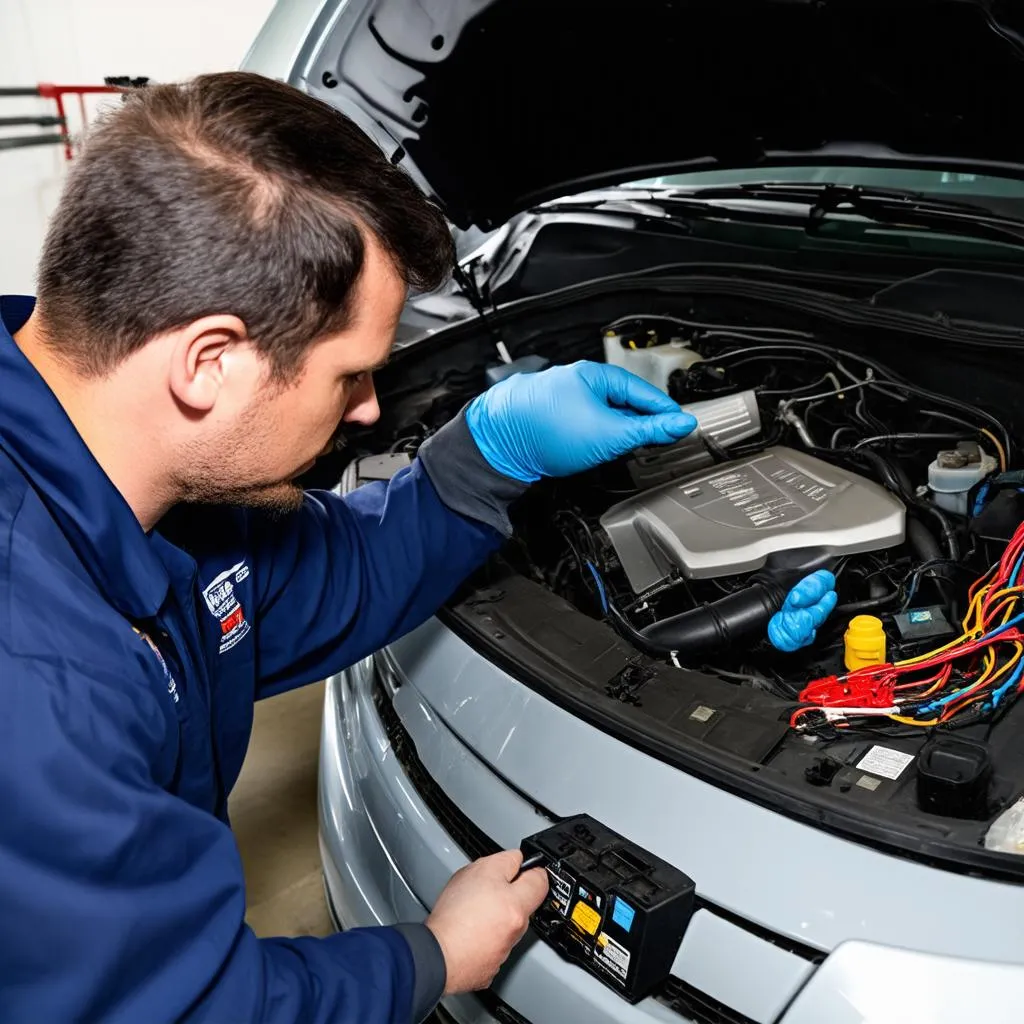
(733,619)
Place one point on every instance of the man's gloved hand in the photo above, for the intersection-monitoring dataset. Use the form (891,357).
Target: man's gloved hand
(570,418)
(806,607)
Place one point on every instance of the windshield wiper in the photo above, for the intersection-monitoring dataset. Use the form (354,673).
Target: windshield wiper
(626,203)
(883,206)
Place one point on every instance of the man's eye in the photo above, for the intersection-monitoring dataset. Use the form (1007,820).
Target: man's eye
(354,379)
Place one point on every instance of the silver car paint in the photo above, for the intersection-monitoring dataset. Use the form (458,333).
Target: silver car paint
(386,858)
(778,872)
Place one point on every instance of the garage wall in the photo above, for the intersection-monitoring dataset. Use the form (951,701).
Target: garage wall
(81,42)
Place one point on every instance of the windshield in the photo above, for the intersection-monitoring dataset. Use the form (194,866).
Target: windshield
(1004,192)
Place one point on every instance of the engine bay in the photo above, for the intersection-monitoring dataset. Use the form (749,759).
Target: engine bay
(640,592)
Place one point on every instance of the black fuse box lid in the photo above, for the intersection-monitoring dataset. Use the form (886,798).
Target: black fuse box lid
(613,908)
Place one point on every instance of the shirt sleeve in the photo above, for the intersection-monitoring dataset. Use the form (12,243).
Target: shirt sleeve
(122,902)
(345,576)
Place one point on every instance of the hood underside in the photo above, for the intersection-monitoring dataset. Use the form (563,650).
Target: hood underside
(494,105)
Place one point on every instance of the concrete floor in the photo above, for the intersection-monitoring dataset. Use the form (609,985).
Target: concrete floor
(274,816)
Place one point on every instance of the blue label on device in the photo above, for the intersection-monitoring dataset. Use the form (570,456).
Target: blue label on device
(623,914)
(922,616)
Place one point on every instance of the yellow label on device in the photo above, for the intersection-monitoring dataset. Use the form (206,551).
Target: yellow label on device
(586,917)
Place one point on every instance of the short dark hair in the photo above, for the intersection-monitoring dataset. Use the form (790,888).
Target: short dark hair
(230,193)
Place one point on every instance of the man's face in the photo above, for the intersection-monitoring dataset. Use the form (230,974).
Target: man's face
(255,456)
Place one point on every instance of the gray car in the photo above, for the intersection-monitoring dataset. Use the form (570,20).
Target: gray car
(805,222)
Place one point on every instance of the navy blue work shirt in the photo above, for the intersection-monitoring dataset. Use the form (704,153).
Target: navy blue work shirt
(129,664)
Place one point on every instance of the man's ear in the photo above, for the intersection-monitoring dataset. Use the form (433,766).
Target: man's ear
(204,355)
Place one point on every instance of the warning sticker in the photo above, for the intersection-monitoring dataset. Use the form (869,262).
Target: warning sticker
(586,917)
(612,955)
(560,890)
(885,761)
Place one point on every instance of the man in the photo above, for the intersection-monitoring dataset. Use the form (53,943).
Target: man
(224,272)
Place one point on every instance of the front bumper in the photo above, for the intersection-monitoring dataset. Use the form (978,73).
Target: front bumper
(372,819)
(392,834)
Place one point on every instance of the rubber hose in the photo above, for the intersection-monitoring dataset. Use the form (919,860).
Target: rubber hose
(892,480)
(867,605)
(927,548)
(719,624)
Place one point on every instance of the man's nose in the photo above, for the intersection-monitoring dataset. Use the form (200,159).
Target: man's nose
(363,407)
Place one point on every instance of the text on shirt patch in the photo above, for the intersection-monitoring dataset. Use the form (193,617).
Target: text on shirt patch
(224,606)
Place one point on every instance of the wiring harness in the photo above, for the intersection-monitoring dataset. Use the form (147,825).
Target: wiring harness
(977,675)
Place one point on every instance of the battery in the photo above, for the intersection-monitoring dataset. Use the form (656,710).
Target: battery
(614,909)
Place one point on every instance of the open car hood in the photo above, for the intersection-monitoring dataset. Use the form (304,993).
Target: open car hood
(494,105)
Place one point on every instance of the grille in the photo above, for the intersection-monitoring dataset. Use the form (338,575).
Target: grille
(674,993)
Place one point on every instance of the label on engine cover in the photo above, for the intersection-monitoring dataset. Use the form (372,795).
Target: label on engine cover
(768,493)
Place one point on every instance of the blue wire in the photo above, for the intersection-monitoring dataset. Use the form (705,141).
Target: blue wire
(940,702)
(600,586)
(1016,571)
(979,501)
(998,695)
(1005,626)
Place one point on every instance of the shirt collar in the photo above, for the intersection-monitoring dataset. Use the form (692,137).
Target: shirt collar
(40,439)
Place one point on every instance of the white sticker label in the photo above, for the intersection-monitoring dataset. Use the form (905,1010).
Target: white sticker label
(885,761)
(560,890)
(613,955)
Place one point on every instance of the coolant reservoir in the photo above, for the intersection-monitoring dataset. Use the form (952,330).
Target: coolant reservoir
(655,363)
(865,642)
(953,473)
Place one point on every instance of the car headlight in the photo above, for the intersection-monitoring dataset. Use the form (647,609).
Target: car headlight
(1006,833)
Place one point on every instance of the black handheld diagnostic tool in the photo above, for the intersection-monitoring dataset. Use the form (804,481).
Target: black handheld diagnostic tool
(613,908)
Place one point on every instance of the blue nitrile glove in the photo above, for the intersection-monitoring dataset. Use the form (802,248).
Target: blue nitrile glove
(570,418)
(806,607)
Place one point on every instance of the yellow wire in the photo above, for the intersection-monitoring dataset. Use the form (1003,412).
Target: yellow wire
(975,686)
(1010,664)
(931,654)
(999,448)
(971,628)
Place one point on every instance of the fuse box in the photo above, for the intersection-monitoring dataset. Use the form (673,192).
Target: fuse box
(613,908)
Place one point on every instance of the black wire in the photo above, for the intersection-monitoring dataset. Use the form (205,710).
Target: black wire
(908,437)
(892,481)
(700,325)
(792,391)
(868,418)
(835,355)
(760,357)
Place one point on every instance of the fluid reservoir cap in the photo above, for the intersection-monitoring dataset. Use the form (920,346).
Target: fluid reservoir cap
(865,642)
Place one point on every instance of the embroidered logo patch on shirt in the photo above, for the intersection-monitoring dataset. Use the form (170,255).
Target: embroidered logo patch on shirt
(224,606)
(172,686)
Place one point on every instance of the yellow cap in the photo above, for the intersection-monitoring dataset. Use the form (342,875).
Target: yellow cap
(865,642)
